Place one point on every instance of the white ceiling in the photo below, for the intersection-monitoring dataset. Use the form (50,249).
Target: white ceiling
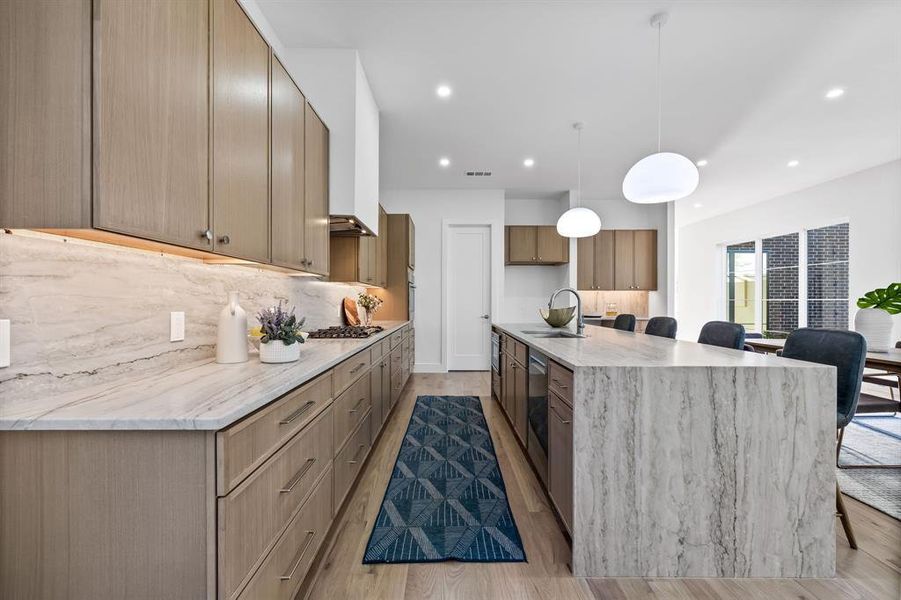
(743,88)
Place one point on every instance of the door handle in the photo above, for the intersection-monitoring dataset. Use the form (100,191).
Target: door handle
(486,316)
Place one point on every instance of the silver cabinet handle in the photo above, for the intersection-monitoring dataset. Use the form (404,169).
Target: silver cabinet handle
(225,240)
(300,554)
(289,487)
(355,461)
(357,405)
(207,234)
(297,413)
(562,420)
(357,368)
(559,383)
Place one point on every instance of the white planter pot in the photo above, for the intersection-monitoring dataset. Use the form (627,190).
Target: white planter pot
(876,326)
(279,352)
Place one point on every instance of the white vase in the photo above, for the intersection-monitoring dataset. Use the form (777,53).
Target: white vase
(231,340)
(278,351)
(875,325)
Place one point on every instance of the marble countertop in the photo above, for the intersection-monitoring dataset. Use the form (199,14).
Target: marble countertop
(202,395)
(606,347)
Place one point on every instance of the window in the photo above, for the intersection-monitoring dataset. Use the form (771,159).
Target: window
(775,285)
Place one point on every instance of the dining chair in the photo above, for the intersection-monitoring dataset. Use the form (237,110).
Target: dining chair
(624,322)
(723,334)
(847,352)
(661,327)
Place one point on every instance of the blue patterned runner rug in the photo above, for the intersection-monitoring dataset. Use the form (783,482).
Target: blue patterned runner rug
(446,499)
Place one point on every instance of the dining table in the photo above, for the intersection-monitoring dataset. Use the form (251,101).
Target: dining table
(885,361)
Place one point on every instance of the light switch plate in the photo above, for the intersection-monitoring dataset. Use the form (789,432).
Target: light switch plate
(4,343)
(176,326)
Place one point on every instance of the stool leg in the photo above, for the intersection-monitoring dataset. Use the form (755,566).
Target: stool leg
(838,447)
(843,515)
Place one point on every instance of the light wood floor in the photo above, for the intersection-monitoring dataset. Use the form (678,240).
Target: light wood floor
(872,572)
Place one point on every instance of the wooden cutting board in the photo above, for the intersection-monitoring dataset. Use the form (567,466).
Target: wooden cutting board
(350,311)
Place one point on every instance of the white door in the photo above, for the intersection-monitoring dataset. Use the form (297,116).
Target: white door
(469,297)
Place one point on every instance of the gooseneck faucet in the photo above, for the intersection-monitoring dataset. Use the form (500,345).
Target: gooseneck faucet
(580,320)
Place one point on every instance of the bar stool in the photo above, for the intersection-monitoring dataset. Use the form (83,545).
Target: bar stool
(624,322)
(723,334)
(661,327)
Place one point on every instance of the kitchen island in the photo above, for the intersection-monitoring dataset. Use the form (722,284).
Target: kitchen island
(691,460)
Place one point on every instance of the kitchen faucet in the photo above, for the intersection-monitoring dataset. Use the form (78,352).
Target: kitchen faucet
(580,320)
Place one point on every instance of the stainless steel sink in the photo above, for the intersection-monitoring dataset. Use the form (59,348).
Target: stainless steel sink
(546,333)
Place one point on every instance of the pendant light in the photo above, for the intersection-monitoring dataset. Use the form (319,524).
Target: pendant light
(579,221)
(664,176)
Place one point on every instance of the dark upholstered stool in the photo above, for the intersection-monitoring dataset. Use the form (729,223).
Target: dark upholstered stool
(661,327)
(847,352)
(723,334)
(624,322)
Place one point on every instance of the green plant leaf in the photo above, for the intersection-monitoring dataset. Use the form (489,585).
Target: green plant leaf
(887,299)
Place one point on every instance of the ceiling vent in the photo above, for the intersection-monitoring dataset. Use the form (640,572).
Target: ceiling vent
(478,173)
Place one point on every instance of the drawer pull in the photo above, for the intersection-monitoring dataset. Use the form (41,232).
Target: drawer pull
(562,420)
(355,461)
(293,416)
(357,368)
(303,550)
(296,479)
(357,405)
(559,383)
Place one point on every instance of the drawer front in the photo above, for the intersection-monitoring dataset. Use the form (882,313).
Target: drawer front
(351,369)
(395,338)
(251,517)
(350,460)
(244,446)
(397,357)
(281,574)
(379,350)
(350,408)
(520,353)
(560,380)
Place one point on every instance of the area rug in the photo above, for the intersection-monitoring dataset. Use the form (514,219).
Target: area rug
(446,499)
(873,440)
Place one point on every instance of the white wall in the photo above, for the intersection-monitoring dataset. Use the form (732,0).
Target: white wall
(526,288)
(431,210)
(870,201)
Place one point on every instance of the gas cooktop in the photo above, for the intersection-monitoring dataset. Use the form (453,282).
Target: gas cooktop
(347,331)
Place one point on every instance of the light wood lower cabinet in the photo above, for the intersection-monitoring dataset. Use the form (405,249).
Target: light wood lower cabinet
(520,415)
(560,457)
(380,403)
(351,407)
(349,459)
(284,569)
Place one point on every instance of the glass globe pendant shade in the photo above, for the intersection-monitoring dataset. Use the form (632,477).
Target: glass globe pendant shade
(578,222)
(660,177)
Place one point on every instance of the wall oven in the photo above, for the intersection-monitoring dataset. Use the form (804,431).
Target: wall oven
(536,413)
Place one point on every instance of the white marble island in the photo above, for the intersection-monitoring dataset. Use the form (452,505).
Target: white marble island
(696,461)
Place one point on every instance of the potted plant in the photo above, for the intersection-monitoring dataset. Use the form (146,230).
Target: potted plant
(874,319)
(369,303)
(280,335)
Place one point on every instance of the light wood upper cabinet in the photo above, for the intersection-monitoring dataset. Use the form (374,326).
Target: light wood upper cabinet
(381,267)
(411,244)
(621,259)
(353,259)
(535,245)
(45,113)
(240,135)
(151,125)
(287,139)
(316,212)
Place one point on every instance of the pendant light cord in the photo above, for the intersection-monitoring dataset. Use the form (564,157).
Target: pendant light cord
(659,82)
(579,132)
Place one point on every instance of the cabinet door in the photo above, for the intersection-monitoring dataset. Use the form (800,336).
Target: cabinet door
(604,260)
(387,404)
(624,253)
(240,135)
(645,259)
(381,269)
(379,405)
(521,393)
(411,241)
(316,235)
(585,263)
(152,120)
(367,249)
(551,246)
(45,113)
(560,457)
(287,140)
(509,385)
(521,244)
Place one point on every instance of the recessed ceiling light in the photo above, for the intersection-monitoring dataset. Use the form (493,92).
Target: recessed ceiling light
(529,162)
(444,161)
(697,205)
(835,93)
(792,163)
(443,91)
(702,162)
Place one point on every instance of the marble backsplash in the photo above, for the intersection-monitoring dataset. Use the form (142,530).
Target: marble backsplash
(83,313)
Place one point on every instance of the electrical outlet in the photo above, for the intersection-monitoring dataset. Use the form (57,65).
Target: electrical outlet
(4,343)
(176,326)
